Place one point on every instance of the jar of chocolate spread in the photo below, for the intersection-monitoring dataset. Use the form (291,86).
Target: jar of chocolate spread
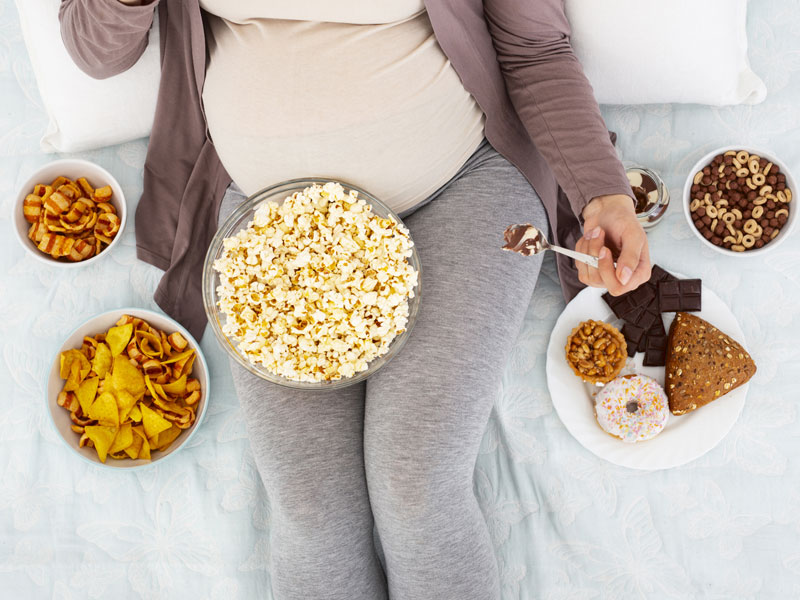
(652,196)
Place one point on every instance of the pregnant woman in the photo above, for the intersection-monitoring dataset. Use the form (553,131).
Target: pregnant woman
(464,117)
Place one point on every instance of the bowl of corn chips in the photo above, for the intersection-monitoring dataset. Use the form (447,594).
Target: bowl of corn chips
(69,213)
(127,388)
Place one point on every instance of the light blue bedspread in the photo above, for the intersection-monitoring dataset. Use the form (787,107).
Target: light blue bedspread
(566,525)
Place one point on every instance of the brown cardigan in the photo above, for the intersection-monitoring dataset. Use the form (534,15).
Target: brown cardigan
(513,56)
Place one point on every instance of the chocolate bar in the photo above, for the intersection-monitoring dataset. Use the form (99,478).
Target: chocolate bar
(634,336)
(658,274)
(655,354)
(627,306)
(682,295)
(655,350)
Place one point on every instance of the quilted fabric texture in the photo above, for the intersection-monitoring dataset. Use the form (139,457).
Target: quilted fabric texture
(566,524)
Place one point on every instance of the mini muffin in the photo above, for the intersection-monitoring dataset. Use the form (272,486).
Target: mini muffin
(596,351)
(633,408)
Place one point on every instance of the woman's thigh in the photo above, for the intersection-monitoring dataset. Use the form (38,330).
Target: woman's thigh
(307,445)
(426,411)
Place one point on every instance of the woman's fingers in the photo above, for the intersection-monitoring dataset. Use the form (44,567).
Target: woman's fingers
(630,269)
(591,243)
(583,268)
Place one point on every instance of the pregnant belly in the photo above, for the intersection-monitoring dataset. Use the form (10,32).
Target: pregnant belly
(369,105)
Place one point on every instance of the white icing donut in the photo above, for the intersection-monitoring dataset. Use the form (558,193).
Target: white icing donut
(633,408)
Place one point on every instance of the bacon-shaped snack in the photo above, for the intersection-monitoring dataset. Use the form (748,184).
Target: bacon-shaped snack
(32,208)
(71,220)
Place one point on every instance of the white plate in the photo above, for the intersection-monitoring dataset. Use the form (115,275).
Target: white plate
(685,437)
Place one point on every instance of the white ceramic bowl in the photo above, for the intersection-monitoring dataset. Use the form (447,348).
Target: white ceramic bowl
(99,324)
(72,168)
(786,230)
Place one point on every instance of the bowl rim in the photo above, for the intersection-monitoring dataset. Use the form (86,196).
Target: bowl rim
(209,292)
(703,162)
(32,180)
(135,311)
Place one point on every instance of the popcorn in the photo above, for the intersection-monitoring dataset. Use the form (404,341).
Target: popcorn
(317,287)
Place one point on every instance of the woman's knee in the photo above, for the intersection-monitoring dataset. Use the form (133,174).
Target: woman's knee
(412,490)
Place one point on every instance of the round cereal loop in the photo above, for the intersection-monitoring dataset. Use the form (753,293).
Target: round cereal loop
(748,241)
(742,156)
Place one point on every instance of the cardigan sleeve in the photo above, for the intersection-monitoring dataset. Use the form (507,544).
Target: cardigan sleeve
(105,37)
(553,98)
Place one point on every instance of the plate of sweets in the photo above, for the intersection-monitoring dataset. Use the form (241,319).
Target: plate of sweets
(651,379)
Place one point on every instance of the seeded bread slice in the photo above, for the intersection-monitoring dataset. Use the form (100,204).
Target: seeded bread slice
(703,364)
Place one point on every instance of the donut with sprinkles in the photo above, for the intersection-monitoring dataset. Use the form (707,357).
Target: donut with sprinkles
(633,408)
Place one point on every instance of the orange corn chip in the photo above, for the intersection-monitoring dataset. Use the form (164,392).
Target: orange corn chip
(124,376)
(135,414)
(166,437)
(153,422)
(125,404)
(171,407)
(104,410)
(102,359)
(136,446)
(117,338)
(177,387)
(86,393)
(103,437)
(144,452)
(123,439)
(149,344)
(177,357)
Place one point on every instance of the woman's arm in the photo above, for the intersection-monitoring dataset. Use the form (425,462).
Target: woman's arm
(105,37)
(556,104)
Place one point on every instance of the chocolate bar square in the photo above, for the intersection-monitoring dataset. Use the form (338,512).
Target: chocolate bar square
(682,295)
(658,274)
(643,316)
(634,336)
(655,353)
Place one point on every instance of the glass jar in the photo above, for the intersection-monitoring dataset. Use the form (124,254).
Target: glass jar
(652,195)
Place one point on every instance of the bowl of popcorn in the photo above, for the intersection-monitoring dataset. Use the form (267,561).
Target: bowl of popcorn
(69,213)
(312,283)
(739,201)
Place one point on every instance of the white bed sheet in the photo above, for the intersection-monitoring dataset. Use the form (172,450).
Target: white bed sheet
(566,525)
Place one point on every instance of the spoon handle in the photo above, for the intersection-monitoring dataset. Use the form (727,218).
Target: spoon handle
(584,258)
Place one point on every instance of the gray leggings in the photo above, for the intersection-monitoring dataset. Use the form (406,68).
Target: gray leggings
(401,447)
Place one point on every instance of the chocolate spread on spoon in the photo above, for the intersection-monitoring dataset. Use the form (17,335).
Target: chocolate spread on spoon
(525,239)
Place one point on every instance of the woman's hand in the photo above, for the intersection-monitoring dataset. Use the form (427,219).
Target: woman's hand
(612,229)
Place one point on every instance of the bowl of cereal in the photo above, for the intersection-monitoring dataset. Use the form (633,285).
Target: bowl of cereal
(738,201)
(312,283)
(69,213)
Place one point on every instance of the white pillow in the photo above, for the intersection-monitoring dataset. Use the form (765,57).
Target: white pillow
(103,112)
(654,51)
(633,51)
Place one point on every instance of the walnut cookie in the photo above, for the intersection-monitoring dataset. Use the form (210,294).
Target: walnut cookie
(596,351)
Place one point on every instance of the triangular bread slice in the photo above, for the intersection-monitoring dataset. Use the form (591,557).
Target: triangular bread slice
(703,364)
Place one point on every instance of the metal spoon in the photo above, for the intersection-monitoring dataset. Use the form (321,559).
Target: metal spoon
(527,240)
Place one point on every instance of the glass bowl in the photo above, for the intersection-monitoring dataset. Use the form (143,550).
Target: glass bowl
(239,220)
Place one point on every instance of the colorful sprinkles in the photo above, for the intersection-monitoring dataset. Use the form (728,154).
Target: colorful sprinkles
(633,408)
